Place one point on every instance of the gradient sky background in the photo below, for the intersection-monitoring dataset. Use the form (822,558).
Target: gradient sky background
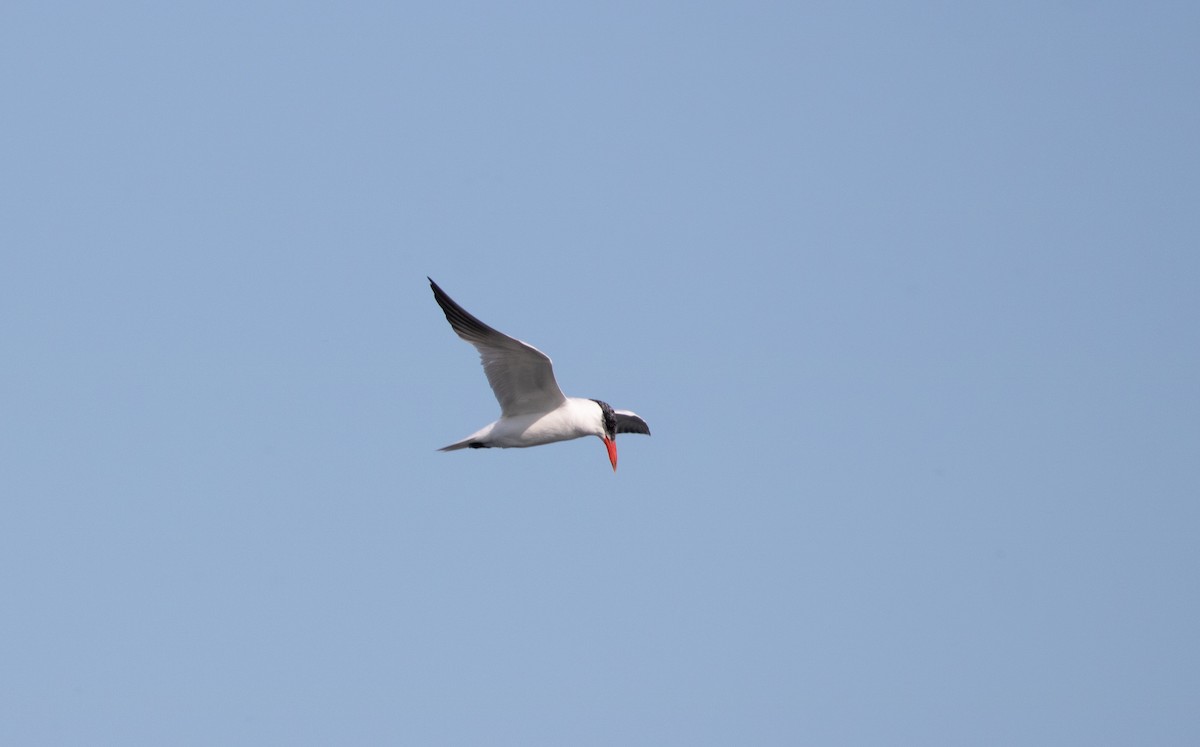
(908,294)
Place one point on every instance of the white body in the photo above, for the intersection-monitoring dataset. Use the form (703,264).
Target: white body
(574,418)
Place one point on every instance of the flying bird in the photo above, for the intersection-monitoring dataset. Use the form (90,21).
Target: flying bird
(533,410)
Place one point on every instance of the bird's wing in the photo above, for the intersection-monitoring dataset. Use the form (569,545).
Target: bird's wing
(522,377)
(628,422)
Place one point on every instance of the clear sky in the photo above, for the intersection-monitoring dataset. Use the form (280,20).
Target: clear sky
(908,293)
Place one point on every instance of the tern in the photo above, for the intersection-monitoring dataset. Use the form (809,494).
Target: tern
(533,410)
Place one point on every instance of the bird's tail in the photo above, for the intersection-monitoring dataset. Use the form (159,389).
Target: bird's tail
(456,446)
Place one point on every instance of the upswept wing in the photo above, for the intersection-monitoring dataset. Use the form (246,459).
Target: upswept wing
(521,376)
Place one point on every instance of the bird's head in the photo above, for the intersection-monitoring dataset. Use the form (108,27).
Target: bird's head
(608,424)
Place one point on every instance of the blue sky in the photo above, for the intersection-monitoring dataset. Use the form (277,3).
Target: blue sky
(908,294)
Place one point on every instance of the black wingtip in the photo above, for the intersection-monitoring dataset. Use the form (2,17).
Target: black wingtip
(461,321)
